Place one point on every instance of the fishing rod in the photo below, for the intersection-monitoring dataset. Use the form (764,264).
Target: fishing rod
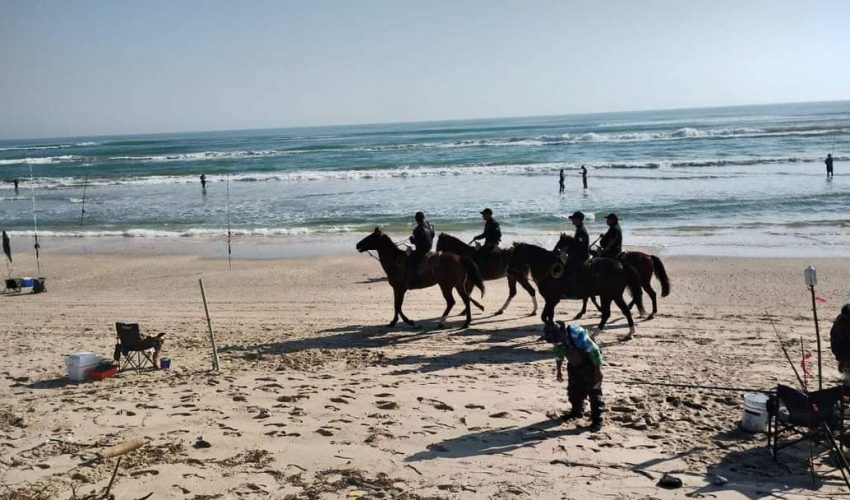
(787,356)
(227,182)
(34,221)
(691,386)
(83,208)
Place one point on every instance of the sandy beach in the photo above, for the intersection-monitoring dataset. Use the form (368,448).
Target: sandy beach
(316,398)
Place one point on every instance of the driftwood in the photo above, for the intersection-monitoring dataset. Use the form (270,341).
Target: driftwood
(122,448)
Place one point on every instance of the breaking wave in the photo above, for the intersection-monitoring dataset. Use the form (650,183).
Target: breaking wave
(190,233)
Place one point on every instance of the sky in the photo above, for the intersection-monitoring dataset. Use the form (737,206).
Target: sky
(80,67)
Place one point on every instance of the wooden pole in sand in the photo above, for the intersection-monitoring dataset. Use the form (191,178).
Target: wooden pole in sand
(209,325)
(812,280)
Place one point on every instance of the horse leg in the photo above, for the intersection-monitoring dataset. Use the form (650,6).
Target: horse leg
(511,294)
(396,302)
(468,286)
(625,308)
(548,314)
(595,304)
(649,291)
(464,296)
(399,300)
(530,289)
(606,311)
(583,308)
(450,302)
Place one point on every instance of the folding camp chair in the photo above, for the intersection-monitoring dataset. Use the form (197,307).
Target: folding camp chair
(135,348)
(817,417)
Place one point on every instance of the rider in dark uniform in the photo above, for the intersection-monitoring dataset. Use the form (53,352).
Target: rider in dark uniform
(579,251)
(492,234)
(612,241)
(423,240)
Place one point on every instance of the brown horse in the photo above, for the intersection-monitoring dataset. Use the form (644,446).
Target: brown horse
(605,278)
(493,266)
(645,264)
(449,270)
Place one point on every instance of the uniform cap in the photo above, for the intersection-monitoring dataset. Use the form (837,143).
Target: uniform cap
(577,215)
(486,211)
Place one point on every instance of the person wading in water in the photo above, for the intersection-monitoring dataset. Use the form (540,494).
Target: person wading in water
(561,182)
(583,171)
(422,239)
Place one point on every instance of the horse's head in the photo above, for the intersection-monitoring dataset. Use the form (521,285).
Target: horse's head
(370,242)
(564,243)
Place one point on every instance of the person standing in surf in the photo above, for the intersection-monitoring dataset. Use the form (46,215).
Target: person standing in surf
(828,163)
(561,183)
(583,171)
(203,182)
(16,186)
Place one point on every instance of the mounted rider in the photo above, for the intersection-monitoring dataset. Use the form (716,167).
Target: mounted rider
(579,251)
(611,243)
(492,234)
(422,239)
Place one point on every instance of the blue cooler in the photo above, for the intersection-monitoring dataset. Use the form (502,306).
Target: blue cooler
(26,282)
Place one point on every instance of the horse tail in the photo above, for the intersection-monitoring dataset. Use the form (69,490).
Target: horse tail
(658,266)
(473,273)
(633,282)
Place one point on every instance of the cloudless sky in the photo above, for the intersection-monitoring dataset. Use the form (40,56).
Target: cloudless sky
(80,67)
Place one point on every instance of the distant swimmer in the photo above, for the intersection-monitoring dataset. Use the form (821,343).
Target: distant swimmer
(203,181)
(828,163)
(583,171)
(16,186)
(561,182)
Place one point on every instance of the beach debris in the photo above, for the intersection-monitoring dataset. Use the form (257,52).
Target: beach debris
(122,448)
(669,481)
(200,443)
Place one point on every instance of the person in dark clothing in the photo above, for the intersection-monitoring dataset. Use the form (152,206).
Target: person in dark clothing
(583,171)
(423,240)
(492,234)
(203,181)
(561,182)
(611,243)
(16,186)
(839,342)
(584,369)
(579,251)
(828,163)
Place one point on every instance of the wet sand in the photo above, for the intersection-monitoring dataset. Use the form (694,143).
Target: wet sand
(317,398)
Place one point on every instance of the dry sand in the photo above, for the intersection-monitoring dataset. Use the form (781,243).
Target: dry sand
(318,399)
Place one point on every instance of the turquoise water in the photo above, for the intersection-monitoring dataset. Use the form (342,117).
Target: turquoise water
(722,180)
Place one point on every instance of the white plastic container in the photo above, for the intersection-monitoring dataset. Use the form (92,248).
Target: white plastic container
(80,362)
(755,412)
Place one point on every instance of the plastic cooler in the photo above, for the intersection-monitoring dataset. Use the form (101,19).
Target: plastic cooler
(26,282)
(79,363)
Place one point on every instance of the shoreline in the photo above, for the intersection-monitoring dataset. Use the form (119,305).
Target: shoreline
(340,245)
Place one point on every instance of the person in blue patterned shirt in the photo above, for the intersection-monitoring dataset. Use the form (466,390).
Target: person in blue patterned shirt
(584,369)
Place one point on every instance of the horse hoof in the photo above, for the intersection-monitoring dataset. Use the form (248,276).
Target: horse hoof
(465,325)
(392,324)
(650,317)
(499,312)
(411,323)
(578,316)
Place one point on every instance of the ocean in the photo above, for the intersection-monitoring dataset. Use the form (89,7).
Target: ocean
(720,181)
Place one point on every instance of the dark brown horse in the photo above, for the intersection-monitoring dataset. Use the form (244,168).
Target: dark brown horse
(449,270)
(606,278)
(645,264)
(493,266)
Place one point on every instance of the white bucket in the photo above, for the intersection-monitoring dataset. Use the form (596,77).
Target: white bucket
(755,412)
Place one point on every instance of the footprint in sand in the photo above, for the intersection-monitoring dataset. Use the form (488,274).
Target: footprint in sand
(472,406)
(339,400)
(387,405)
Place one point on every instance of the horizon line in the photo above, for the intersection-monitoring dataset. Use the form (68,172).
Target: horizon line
(413,122)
